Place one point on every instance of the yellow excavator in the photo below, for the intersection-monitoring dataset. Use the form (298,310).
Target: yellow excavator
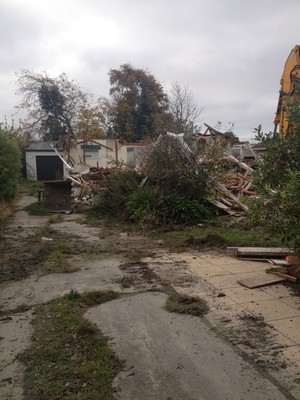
(291,72)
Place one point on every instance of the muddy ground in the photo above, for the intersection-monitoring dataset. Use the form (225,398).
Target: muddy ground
(111,257)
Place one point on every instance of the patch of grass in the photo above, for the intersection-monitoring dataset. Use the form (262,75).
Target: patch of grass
(73,295)
(55,219)
(57,260)
(5,212)
(230,236)
(70,358)
(92,298)
(89,255)
(95,297)
(47,230)
(36,209)
(184,304)
(31,187)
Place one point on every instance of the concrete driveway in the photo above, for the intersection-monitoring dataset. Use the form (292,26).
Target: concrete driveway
(246,347)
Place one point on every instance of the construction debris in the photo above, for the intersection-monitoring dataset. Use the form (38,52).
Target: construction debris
(93,178)
(239,180)
(284,275)
(260,280)
(281,267)
(262,252)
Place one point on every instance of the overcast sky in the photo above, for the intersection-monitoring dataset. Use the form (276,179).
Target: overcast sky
(230,53)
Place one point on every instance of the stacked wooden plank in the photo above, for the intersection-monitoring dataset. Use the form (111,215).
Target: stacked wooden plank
(282,268)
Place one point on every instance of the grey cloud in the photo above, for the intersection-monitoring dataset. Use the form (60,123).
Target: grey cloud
(230,53)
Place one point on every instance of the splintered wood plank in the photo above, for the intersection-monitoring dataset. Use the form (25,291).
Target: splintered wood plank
(285,276)
(261,280)
(279,262)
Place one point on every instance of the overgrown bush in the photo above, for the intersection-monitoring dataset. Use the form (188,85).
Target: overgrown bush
(279,210)
(10,164)
(111,200)
(146,206)
(172,166)
(176,190)
(278,181)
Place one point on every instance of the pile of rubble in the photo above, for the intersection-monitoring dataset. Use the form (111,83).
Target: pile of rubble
(284,265)
(230,194)
(239,184)
(93,179)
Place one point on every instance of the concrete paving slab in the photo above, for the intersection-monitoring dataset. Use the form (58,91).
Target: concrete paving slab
(219,259)
(244,295)
(292,382)
(292,301)
(161,259)
(277,290)
(246,275)
(228,314)
(290,327)
(243,268)
(190,259)
(220,302)
(281,340)
(292,355)
(211,270)
(183,359)
(11,370)
(223,281)
(271,310)
(96,274)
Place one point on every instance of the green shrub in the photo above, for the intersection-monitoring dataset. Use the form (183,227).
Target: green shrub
(148,207)
(32,187)
(10,165)
(279,211)
(178,210)
(112,200)
(173,167)
(278,180)
(142,205)
(36,209)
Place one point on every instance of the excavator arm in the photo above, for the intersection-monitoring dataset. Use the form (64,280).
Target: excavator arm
(291,71)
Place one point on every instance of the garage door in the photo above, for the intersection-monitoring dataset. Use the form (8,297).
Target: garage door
(49,168)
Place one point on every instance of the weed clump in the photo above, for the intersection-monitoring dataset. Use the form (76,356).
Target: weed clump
(55,219)
(58,259)
(36,209)
(184,304)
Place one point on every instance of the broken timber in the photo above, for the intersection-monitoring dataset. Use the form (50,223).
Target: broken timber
(262,280)
(285,276)
(257,252)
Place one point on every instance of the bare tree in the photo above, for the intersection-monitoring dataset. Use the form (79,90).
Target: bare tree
(52,104)
(184,108)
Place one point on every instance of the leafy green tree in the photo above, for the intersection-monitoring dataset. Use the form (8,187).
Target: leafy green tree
(138,106)
(20,136)
(10,164)
(53,104)
(91,123)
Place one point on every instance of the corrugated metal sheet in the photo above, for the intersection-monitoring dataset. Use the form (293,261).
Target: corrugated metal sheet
(40,146)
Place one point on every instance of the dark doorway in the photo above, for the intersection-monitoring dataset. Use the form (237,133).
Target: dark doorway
(49,168)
